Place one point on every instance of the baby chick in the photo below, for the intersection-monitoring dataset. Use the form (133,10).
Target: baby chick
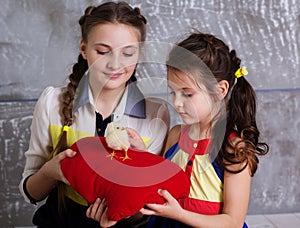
(117,139)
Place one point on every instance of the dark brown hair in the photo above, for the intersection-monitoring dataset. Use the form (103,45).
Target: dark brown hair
(109,12)
(215,58)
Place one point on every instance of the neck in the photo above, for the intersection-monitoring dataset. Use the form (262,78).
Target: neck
(107,100)
(197,132)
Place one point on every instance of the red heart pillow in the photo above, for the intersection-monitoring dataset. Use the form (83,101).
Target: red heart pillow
(127,185)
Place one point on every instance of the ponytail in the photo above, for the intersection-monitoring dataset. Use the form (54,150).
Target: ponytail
(242,106)
(241,118)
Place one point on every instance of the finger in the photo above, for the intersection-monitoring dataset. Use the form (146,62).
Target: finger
(97,210)
(132,133)
(100,209)
(88,211)
(105,221)
(145,211)
(165,194)
(156,208)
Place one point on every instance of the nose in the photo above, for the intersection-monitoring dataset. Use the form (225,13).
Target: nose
(114,62)
(177,101)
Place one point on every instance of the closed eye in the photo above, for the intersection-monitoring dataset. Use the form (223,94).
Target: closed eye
(187,94)
(128,54)
(103,52)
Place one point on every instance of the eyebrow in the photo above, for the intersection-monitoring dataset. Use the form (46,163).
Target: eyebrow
(123,47)
(102,44)
(184,88)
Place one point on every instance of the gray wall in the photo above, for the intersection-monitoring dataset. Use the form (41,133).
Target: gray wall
(39,43)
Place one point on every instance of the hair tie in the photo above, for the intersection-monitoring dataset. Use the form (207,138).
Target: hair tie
(66,128)
(241,72)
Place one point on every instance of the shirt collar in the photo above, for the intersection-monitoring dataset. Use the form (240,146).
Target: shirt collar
(82,93)
(132,102)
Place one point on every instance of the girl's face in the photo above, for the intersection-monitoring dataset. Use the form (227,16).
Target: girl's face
(112,52)
(191,102)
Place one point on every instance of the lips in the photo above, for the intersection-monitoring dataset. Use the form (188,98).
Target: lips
(182,113)
(113,75)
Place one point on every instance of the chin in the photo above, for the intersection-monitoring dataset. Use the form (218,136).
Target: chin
(189,121)
(114,84)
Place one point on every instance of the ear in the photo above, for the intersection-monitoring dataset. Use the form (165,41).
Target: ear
(83,48)
(223,87)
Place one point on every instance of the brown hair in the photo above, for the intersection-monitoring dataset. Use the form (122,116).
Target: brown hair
(215,58)
(110,12)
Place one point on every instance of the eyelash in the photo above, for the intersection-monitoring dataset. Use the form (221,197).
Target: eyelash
(184,94)
(187,94)
(128,55)
(103,52)
(108,52)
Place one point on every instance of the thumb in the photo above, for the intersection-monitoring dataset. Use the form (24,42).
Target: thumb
(70,153)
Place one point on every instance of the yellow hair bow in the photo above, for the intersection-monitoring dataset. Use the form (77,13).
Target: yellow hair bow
(241,72)
(66,128)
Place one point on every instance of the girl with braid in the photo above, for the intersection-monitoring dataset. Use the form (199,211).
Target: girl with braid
(102,89)
(218,144)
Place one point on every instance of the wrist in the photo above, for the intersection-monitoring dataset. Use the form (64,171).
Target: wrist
(44,175)
(181,215)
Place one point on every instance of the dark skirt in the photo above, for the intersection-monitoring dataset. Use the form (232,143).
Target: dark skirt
(74,216)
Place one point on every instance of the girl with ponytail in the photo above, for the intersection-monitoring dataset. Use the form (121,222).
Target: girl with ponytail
(218,145)
(102,89)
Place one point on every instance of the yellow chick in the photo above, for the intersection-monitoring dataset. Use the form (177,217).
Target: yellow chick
(117,139)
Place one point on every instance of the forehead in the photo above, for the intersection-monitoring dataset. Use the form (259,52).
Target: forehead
(114,35)
(180,79)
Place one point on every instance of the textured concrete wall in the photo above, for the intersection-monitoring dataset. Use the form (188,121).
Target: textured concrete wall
(39,43)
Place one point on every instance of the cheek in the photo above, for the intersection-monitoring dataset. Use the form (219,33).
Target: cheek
(200,106)
(129,64)
(130,68)
(95,60)
(97,64)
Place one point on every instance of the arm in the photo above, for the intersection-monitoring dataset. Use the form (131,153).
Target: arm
(236,193)
(236,198)
(37,181)
(41,183)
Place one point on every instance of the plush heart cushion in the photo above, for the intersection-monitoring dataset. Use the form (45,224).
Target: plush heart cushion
(127,185)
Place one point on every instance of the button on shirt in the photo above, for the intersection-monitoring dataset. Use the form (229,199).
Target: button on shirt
(101,124)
